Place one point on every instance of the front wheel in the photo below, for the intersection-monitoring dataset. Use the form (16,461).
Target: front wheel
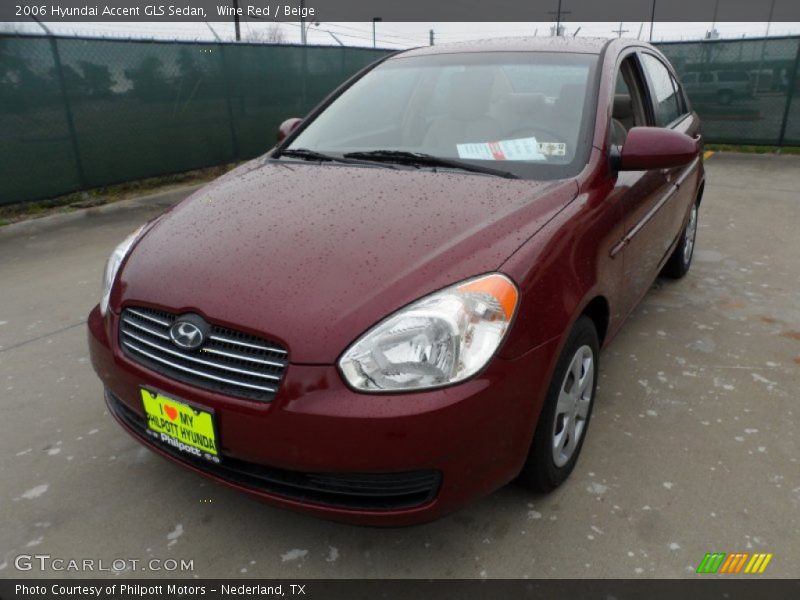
(678,264)
(565,415)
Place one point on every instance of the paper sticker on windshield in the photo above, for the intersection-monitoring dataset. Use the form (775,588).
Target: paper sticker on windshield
(520,149)
(553,148)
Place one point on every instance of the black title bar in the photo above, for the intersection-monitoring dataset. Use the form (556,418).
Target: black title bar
(699,587)
(402,10)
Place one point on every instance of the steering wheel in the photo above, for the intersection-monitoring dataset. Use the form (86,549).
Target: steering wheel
(520,131)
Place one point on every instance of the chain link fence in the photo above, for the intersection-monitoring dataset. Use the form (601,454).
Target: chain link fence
(745,91)
(79,113)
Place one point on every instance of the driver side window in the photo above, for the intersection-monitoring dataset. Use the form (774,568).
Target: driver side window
(628,104)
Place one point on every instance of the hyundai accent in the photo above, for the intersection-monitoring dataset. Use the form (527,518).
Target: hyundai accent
(400,307)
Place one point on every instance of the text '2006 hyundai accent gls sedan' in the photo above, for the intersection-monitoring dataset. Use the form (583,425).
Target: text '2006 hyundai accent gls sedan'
(400,307)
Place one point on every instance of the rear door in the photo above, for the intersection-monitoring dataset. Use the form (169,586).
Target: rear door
(672,111)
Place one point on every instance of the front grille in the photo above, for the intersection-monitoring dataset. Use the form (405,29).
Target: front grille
(360,491)
(230,362)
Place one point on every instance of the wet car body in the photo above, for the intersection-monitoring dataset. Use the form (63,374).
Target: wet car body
(303,257)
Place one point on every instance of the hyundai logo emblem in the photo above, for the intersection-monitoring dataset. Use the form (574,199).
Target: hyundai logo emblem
(186,334)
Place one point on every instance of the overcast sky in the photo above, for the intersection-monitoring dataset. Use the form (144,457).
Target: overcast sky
(404,35)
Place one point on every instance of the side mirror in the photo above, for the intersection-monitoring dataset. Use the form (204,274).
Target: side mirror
(656,148)
(287,127)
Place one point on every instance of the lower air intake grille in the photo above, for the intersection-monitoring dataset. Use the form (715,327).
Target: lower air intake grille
(358,491)
(229,362)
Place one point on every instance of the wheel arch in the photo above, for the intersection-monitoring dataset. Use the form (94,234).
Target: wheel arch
(599,312)
(700,191)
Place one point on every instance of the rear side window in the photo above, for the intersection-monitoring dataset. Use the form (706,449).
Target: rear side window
(667,102)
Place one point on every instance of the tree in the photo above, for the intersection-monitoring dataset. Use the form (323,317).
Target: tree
(148,79)
(97,80)
(271,35)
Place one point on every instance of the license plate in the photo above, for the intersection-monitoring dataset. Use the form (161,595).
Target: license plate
(186,428)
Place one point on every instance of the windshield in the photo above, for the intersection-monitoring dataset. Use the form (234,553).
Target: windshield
(524,112)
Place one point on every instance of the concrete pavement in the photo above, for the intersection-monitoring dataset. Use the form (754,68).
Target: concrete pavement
(692,446)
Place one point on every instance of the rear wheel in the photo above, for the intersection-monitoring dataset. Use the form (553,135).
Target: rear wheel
(678,264)
(566,412)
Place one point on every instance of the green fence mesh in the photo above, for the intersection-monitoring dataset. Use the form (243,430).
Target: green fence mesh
(36,155)
(743,90)
(81,113)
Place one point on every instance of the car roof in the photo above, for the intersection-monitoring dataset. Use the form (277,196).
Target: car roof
(582,45)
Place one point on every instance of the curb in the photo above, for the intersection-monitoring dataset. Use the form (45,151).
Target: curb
(164,199)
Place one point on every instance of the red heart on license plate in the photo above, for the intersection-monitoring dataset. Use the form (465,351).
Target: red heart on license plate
(171,411)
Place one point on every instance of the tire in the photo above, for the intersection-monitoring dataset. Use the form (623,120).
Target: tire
(678,264)
(554,452)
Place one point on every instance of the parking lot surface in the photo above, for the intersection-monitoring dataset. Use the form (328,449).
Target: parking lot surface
(692,446)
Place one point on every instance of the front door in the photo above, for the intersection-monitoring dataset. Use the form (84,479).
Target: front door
(642,194)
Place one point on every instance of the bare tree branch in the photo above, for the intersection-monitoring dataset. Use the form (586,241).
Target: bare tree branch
(272,35)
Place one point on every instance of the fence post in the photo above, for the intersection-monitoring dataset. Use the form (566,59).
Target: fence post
(304,78)
(73,136)
(231,122)
(792,82)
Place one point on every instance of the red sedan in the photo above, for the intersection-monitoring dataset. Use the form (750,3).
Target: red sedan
(400,308)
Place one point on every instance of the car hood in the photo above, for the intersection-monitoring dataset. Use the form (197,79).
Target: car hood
(312,255)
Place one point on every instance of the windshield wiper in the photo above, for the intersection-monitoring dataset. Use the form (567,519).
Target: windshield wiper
(428,160)
(307,154)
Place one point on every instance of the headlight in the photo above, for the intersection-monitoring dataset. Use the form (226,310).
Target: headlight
(441,339)
(112,266)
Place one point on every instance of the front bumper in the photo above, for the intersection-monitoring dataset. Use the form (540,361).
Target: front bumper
(438,449)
